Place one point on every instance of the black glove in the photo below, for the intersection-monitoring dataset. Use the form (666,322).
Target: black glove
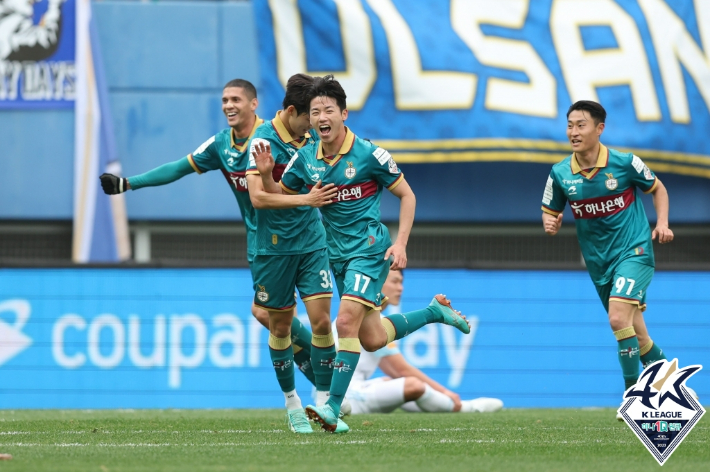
(113,185)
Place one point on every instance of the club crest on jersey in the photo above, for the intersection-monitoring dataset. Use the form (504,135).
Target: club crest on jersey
(262,295)
(659,409)
(611,183)
(350,171)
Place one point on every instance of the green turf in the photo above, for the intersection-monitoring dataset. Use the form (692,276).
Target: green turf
(257,440)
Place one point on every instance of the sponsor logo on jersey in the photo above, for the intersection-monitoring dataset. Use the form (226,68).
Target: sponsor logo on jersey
(350,171)
(660,410)
(572,182)
(356,192)
(638,251)
(237,179)
(572,190)
(647,173)
(602,206)
(611,183)
(381,155)
(262,295)
(314,168)
(547,196)
(393,166)
(370,242)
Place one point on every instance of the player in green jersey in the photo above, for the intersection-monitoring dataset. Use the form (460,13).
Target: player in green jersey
(601,186)
(291,252)
(359,244)
(227,152)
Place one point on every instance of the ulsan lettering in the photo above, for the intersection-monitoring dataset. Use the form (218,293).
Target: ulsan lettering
(106,343)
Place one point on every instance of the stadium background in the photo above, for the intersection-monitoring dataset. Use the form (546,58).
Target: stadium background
(172,327)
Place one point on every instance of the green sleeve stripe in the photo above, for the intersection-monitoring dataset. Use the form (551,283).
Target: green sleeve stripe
(162,175)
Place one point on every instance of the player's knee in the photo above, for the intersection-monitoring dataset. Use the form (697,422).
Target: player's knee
(413,388)
(320,324)
(346,325)
(372,345)
(261,315)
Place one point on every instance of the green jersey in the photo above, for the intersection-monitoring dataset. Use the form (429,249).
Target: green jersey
(290,231)
(611,222)
(360,170)
(225,153)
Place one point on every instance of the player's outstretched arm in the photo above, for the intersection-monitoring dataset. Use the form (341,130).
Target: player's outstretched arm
(407,207)
(661,203)
(162,175)
(551,224)
(262,200)
(261,152)
(396,366)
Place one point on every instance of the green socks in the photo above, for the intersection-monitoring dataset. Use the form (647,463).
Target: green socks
(300,335)
(302,357)
(282,359)
(406,323)
(628,355)
(343,369)
(651,353)
(322,358)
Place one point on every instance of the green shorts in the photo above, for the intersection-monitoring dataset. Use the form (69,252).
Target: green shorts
(360,279)
(628,285)
(275,277)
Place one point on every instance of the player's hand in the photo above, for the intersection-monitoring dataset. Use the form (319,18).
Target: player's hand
(399,252)
(664,233)
(113,185)
(551,224)
(322,195)
(261,152)
(455,397)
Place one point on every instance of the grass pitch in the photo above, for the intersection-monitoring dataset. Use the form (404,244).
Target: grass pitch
(257,440)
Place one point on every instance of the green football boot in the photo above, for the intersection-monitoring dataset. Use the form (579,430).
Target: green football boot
(326,417)
(449,316)
(298,422)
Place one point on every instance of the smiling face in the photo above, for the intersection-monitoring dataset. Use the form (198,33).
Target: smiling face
(582,133)
(328,119)
(237,106)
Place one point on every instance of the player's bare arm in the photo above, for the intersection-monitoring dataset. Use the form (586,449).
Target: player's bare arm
(262,200)
(661,203)
(551,224)
(407,207)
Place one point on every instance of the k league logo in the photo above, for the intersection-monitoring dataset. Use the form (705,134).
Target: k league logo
(660,410)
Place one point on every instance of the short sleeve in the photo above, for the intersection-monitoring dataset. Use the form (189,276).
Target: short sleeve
(641,176)
(386,171)
(292,179)
(205,157)
(553,199)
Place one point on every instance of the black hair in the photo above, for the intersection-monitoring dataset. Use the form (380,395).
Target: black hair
(245,84)
(596,111)
(328,87)
(297,93)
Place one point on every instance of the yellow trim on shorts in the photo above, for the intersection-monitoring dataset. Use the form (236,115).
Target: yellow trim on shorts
(317,296)
(252,172)
(279,344)
(625,333)
(349,344)
(630,301)
(323,340)
(278,310)
(361,301)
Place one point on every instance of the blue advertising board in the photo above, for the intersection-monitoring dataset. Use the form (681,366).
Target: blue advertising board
(482,81)
(37,50)
(164,338)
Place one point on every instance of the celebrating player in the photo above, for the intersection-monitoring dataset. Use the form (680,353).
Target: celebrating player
(359,244)
(227,151)
(613,231)
(406,386)
(291,252)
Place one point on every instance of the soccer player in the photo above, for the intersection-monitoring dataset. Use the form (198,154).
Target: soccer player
(406,386)
(227,151)
(291,252)
(601,186)
(359,244)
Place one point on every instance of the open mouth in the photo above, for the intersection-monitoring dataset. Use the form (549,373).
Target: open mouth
(324,130)
(231,114)
(576,142)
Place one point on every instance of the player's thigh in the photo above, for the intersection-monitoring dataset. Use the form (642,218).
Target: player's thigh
(274,281)
(362,279)
(630,282)
(385,397)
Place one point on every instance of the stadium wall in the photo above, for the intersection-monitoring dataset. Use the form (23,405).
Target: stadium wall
(165,79)
(147,338)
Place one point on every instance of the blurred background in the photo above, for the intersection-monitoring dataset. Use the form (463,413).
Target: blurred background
(143,300)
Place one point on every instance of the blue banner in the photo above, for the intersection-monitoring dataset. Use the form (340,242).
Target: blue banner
(37,50)
(476,80)
(158,338)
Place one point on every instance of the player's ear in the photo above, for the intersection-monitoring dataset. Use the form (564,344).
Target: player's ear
(600,129)
(345,114)
(254,104)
